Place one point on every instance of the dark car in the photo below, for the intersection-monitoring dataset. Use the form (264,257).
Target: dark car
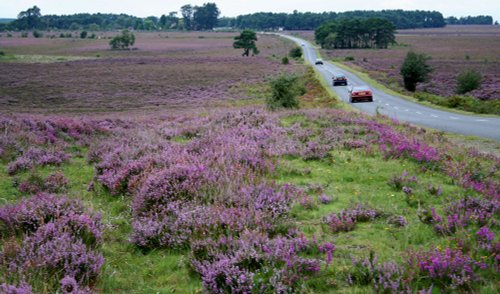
(319,61)
(339,79)
(360,93)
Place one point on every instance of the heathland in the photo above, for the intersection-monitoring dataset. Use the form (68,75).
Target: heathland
(159,169)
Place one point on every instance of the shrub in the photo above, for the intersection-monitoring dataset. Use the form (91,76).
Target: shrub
(37,34)
(349,58)
(295,52)
(123,41)
(468,80)
(285,91)
(285,60)
(24,35)
(83,34)
(414,70)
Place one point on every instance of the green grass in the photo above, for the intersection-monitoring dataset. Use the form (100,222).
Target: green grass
(33,58)
(127,269)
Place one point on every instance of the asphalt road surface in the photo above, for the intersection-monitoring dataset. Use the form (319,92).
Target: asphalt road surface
(401,109)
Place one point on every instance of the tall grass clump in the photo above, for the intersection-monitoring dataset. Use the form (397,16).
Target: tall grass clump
(285,92)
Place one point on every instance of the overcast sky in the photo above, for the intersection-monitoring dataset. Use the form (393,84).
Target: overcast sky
(143,8)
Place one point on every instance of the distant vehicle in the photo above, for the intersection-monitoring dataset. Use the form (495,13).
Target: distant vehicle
(303,44)
(360,93)
(319,61)
(339,79)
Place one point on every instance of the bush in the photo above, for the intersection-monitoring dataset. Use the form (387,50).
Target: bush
(285,60)
(83,34)
(296,52)
(414,70)
(24,35)
(467,81)
(349,58)
(285,91)
(123,41)
(37,34)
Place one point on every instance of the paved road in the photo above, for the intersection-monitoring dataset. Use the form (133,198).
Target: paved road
(404,110)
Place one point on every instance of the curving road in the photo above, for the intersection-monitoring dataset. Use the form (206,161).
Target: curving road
(401,109)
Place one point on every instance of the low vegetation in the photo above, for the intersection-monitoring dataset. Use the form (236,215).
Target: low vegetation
(468,81)
(286,90)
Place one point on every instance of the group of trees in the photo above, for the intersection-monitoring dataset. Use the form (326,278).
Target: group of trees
(199,18)
(309,21)
(193,18)
(356,33)
(470,20)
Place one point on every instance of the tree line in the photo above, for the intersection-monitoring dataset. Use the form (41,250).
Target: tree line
(470,20)
(203,17)
(356,33)
(206,17)
(402,19)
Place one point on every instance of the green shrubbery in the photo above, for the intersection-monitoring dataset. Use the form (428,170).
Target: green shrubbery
(285,60)
(123,41)
(83,34)
(295,53)
(414,70)
(37,34)
(468,80)
(285,92)
(466,103)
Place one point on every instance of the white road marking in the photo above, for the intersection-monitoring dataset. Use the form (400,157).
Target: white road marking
(433,115)
(481,120)
(418,112)
(395,107)
(387,104)
(453,117)
(407,110)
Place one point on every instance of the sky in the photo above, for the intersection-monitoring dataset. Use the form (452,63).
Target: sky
(143,8)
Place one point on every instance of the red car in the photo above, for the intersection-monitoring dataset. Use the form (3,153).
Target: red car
(360,93)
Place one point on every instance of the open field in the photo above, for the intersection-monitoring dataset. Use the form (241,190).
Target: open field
(452,49)
(210,192)
(46,75)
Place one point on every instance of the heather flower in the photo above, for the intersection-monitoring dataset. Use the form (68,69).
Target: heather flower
(308,202)
(433,190)
(404,180)
(325,199)
(36,157)
(449,267)
(23,288)
(398,221)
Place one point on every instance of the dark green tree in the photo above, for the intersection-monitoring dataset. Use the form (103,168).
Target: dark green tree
(205,17)
(29,19)
(246,41)
(415,70)
(187,16)
(123,41)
